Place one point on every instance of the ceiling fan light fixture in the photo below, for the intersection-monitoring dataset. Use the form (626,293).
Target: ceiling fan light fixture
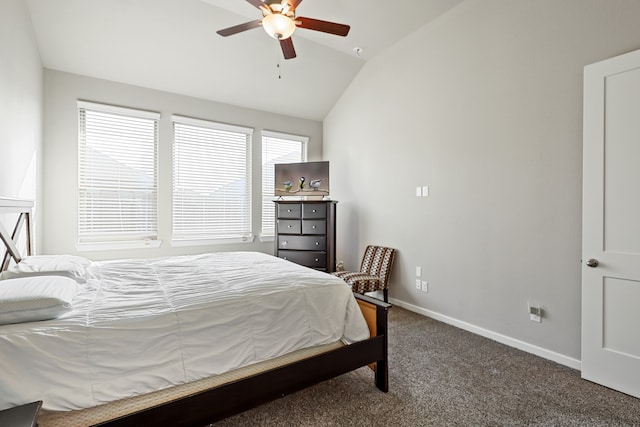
(278,26)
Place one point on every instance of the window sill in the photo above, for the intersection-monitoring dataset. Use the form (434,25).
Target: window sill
(108,246)
(269,238)
(205,242)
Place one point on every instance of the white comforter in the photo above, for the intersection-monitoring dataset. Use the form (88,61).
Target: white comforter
(144,325)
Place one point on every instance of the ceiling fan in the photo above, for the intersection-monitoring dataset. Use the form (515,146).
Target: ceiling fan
(279,21)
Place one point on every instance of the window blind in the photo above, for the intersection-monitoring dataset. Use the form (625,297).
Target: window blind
(277,148)
(211,181)
(117,174)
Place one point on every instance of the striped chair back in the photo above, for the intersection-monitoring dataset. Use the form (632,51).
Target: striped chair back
(377,261)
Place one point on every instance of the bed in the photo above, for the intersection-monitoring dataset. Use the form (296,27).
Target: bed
(198,338)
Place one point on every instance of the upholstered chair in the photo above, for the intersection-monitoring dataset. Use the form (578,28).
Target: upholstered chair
(374,273)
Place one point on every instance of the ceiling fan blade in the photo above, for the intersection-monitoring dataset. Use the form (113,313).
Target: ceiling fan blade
(287,48)
(261,5)
(239,28)
(324,26)
(256,3)
(289,5)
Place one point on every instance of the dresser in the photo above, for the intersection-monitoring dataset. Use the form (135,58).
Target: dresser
(306,233)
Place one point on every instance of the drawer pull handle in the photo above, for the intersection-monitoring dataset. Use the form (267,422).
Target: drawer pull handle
(317,260)
(285,243)
(289,210)
(314,211)
(313,226)
(288,226)
(317,243)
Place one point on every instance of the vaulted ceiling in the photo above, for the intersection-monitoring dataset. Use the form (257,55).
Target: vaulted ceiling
(172,45)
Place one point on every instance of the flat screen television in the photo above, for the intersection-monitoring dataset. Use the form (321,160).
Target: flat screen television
(302,179)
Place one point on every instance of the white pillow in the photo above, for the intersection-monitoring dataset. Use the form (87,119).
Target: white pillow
(50,265)
(30,299)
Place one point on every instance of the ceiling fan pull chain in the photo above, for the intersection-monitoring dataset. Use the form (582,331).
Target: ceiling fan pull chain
(278,65)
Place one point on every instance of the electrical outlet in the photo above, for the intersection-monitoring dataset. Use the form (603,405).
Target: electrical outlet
(418,284)
(424,286)
(535,313)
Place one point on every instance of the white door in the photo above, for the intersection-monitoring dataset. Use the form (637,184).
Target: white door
(611,224)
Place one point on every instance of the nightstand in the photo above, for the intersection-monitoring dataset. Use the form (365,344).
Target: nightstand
(21,416)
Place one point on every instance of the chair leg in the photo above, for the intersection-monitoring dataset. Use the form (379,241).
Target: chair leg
(385,293)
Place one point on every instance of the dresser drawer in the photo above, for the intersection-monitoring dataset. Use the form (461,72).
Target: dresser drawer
(314,226)
(311,259)
(289,226)
(289,210)
(317,243)
(314,210)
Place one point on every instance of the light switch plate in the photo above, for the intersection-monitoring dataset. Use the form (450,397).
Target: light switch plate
(418,271)
(425,191)
(418,191)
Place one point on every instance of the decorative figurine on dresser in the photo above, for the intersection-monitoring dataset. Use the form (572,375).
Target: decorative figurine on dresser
(306,233)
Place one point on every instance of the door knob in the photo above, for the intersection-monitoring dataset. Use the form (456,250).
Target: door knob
(592,262)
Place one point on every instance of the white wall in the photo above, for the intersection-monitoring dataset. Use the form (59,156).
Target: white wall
(484,106)
(62,90)
(20,102)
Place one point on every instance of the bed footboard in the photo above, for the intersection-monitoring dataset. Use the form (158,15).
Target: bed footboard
(376,314)
(237,396)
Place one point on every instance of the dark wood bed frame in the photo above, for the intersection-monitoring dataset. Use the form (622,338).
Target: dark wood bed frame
(234,397)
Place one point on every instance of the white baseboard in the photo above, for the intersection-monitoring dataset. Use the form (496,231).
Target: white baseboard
(512,342)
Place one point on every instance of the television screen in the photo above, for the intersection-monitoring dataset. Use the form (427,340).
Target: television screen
(302,179)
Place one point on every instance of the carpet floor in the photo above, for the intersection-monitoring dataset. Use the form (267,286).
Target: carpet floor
(440,375)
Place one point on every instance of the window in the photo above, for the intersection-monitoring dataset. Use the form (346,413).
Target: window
(277,148)
(117,177)
(211,182)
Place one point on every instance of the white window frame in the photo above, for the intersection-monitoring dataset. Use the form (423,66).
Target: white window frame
(122,239)
(179,236)
(267,218)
